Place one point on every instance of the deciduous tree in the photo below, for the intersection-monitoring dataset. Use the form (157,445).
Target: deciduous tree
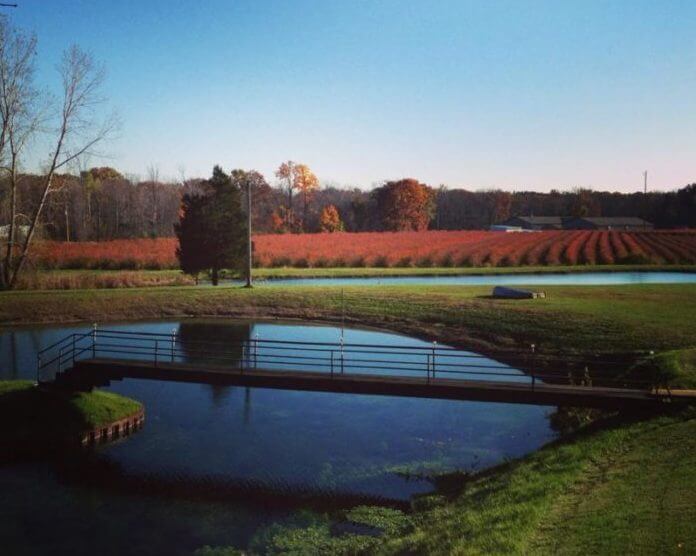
(75,130)
(330,220)
(297,177)
(405,205)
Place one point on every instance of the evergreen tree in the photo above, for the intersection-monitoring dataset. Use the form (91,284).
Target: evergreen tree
(212,228)
(192,234)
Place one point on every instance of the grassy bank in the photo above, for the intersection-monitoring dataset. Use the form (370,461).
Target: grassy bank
(35,420)
(588,318)
(616,488)
(107,279)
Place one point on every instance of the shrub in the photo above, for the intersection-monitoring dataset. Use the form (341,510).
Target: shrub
(381,262)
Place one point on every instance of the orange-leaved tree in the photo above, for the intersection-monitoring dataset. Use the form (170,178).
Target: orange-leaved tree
(330,220)
(405,205)
(297,177)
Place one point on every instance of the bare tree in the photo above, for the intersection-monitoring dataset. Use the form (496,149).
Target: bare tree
(75,133)
(153,179)
(20,116)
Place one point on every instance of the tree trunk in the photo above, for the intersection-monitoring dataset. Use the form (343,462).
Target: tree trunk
(67,223)
(215,278)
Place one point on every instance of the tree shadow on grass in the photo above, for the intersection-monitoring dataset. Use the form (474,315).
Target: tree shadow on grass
(37,422)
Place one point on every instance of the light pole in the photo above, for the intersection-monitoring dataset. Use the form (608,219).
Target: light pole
(249,246)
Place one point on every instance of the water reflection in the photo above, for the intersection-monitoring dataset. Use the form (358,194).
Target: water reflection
(191,339)
(538,279)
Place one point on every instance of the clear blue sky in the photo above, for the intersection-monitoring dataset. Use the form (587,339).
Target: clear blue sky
(518,94)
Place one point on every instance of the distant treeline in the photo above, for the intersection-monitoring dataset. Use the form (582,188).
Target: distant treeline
(101,204)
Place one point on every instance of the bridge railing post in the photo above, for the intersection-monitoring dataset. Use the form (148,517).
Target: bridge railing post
(156,350)
(433,358)
(341,355)
(256,350)
(38,369)
(427,368)
(73,350)
(332,363)
(94,340)
(173,342)
(532,370)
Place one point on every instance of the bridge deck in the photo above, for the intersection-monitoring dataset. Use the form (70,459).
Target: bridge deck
(100,371)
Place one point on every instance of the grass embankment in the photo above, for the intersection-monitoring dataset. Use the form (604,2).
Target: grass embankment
(577,318)
(617,488)
(34,419)
(109,279)
(674,366)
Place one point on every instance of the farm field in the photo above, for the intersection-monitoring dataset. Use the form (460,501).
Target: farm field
(398,250)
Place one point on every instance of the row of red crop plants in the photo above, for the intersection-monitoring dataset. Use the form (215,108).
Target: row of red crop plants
(400,249)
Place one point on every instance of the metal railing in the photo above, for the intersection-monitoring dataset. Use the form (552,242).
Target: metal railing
(428,362)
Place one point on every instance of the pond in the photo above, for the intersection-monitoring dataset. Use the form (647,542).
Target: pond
(219,465)
(536,279)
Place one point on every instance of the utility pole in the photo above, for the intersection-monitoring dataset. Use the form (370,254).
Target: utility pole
(645,195)
(249,245)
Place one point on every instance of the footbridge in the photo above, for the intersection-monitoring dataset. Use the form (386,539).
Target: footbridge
(98,357)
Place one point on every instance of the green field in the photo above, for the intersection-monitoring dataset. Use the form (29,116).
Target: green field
(583,319)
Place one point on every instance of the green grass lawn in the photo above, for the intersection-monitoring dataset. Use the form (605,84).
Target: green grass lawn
(572,318)
(625,490)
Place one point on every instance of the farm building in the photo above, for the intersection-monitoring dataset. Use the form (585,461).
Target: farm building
(577,223)
(535,222)
(608,223)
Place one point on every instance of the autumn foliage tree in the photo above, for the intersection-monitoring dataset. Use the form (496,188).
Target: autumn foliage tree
(297,177)
(330,220)
(405,205)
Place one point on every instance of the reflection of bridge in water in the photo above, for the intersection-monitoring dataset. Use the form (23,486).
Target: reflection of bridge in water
(96,358)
